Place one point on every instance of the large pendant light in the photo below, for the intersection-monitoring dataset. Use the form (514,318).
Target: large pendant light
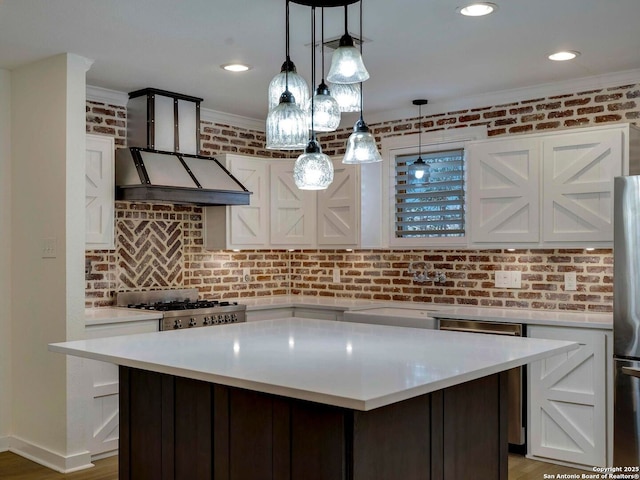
(313,169)
(420,169)
(347,65)
(287,122)
(326,111)
(361,145)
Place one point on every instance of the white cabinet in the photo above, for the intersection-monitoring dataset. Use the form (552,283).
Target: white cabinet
(568,417)
(99,192)
(103,426)
(551,190)
(293,211)
(504,198)
(281,216)
(241,226)
(577,186)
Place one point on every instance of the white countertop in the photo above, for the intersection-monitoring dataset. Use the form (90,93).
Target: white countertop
(532,317)
(105,315)
(330,303)
(349,365)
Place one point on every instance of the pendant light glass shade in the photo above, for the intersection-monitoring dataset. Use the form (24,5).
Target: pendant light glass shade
(347,65)
(347,96)
(326,111)
(313,169)
(420,170)
(297,86)
(286,125)
(361,146)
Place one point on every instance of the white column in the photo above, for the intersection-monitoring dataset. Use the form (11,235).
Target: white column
(48,129)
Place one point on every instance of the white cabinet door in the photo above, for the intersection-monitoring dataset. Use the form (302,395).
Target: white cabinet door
(503,184)
(338,208)
(578,185)
(103,428)
(567,399)
(99,192)
(293,211)
(249,224)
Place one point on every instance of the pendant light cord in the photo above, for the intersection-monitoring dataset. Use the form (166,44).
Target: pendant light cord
(286,72)
(361,86)
(313,64)
(420,132)
(322,40)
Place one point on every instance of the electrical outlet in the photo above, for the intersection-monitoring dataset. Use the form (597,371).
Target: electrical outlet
(246,274)
(502,279)
(336,275)
(570,282)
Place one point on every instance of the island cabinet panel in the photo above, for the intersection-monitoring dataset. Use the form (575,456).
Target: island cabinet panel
(177,428)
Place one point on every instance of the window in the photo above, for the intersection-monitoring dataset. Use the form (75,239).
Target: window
(432,206)
(432,213)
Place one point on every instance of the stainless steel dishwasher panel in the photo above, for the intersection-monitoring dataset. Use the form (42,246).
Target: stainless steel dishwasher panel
(515,376)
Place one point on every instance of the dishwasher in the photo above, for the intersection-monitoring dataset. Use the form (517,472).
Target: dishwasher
(516,398)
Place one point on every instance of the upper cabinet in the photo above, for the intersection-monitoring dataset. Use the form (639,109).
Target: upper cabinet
(552,190)
(99,192)
(281,216)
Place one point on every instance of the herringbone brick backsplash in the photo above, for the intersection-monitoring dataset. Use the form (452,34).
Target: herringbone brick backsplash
(149,254)
(160,246)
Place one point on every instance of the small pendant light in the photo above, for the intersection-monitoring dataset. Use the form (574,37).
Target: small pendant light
(347,95)
(286,127)
(347,65)
(326,111)
(420,169)
(361,145)
(313,169)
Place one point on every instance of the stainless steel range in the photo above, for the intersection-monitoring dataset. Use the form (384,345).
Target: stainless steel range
(182,309)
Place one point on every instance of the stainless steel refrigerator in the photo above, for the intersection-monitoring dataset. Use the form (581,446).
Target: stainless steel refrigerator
(626,321)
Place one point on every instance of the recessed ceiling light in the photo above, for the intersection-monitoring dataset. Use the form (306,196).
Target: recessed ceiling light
(478,9)
(564,55)
(235,67)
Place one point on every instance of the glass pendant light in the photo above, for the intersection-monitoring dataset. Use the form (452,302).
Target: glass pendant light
(347,65)
(326,111)
(420,169)
(287,122)
(361,145)
(347,95)
(313,169)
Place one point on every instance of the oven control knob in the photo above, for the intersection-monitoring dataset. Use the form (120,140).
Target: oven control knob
(177,324)
(227,319)
(234,317)
(206,321)
(192,322)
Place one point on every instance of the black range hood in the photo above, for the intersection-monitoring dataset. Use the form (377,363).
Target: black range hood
(162,163)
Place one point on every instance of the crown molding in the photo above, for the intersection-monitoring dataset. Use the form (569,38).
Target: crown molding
(215,116)
(510,96)
(104,95)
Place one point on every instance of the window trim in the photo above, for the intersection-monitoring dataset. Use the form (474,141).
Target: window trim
(408,145)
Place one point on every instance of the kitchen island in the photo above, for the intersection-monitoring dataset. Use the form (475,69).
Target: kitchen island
(312,399)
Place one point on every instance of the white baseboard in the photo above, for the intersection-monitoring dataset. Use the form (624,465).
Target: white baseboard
(48,458)
(4,444)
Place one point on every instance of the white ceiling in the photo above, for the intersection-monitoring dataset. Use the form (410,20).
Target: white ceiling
(416,48)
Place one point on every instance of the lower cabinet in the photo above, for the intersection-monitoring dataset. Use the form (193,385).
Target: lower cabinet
(318,313)
(103,425)
(568,397)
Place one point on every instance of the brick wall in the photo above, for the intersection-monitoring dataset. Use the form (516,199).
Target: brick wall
(374,274)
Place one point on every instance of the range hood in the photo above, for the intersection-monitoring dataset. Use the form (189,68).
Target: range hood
(162,162)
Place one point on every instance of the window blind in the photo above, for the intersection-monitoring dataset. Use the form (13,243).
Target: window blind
(433,206)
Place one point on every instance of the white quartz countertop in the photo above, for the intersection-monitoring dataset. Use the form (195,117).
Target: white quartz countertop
(105,315)
(513,315)
(350,365)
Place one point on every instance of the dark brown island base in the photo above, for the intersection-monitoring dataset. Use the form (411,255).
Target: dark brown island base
(178,428)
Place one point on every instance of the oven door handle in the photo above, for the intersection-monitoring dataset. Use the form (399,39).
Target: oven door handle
(479,330)
(634,372)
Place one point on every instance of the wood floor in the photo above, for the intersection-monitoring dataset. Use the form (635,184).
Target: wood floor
(14,467)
